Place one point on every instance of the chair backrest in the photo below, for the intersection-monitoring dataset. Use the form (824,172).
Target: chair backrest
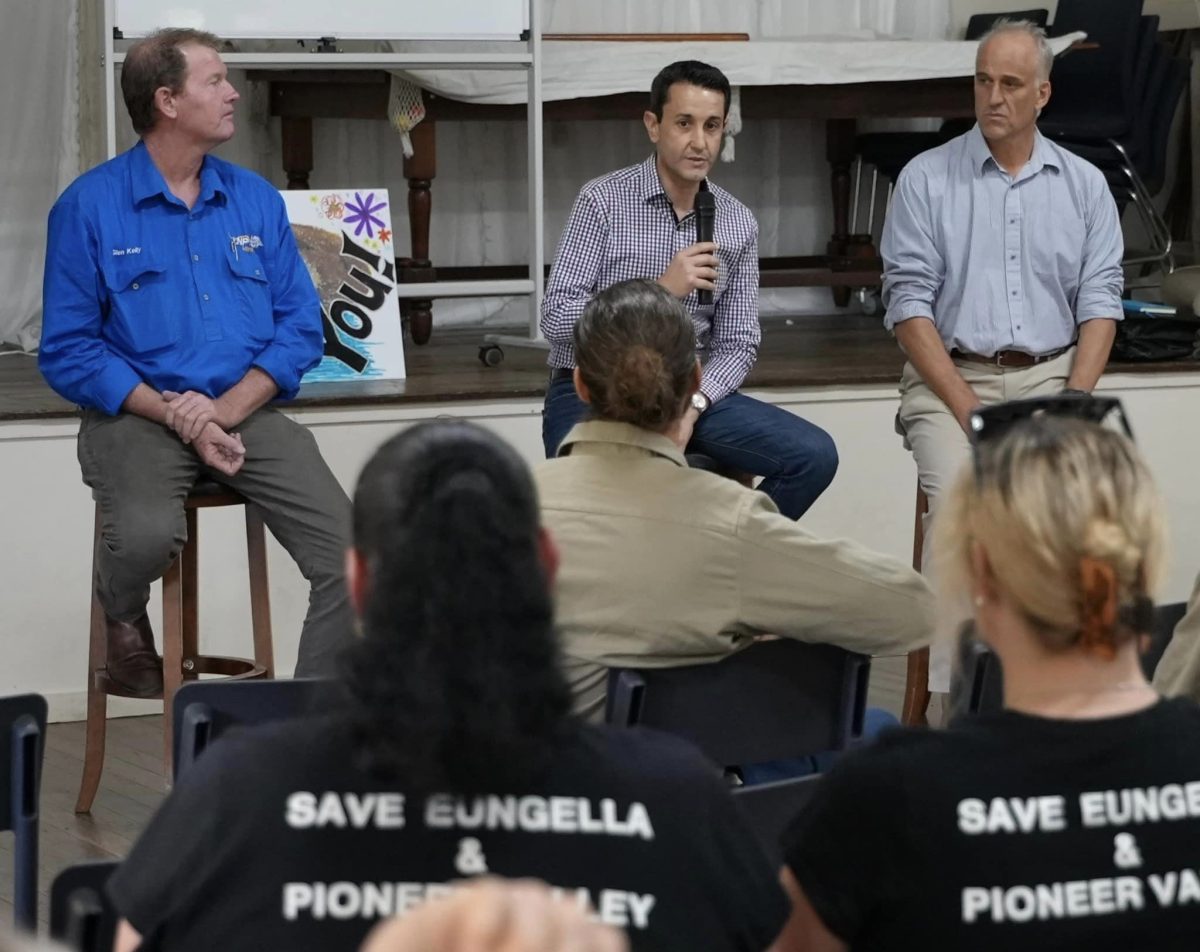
(205,709)
(773,700)
(1166,617)
(81,916)
(770,807)
(980,23)
(1094,90)
(22,743)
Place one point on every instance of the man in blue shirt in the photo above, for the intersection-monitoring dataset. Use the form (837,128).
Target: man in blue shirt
(176,307)
(1002,266)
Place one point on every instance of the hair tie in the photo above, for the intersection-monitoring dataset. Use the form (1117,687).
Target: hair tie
(1097,631)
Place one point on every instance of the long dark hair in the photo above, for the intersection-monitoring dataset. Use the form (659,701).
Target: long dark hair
(454,683)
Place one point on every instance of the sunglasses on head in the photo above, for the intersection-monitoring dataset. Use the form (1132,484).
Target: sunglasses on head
(989,424)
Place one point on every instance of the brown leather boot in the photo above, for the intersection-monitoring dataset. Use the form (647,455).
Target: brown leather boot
(132,661)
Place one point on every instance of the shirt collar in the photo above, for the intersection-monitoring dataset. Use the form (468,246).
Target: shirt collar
(1041,157)
(651,185)
(599,433)
(146,181)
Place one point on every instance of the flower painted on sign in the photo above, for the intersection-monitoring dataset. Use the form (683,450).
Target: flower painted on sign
(332,207)
(361,214)
(385,235)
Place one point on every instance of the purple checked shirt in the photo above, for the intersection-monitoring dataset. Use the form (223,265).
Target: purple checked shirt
(623,227)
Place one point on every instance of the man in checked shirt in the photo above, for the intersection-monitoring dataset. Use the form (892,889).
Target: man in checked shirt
(639,223)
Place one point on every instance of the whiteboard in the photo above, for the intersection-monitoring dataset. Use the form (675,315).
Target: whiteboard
(344,19)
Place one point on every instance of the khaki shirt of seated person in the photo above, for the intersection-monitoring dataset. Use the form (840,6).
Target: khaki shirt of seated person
(663,565)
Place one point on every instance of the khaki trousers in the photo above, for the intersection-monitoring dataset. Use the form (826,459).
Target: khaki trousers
(940,448)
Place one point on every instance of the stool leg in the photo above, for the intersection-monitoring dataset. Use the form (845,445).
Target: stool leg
(916,687)
(260,595)
(97,700)
(173,635)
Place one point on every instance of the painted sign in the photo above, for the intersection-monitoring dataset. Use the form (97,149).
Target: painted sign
(345,238)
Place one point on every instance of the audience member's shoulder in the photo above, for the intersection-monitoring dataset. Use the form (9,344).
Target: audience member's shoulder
(267,749)
(1080,169)
(616,182)
(935,164)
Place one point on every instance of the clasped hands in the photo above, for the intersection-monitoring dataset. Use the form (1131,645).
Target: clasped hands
(198,421)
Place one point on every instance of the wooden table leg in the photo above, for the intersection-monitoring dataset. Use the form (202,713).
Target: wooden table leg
(420,170)
(297,147)
(839,150)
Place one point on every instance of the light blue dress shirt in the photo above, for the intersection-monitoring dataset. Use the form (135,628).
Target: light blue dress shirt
(1001,262)
(140,288)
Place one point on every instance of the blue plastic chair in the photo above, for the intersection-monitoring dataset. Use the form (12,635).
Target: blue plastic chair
(204,710)
(22,743)
(81,915)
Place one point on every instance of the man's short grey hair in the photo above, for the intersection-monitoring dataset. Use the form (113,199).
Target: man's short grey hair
(1030,29)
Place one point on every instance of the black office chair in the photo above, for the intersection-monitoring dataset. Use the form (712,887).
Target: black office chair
(22,743)
(206,709)
(1166,617)
(771,807)
(81,916)
(772,701)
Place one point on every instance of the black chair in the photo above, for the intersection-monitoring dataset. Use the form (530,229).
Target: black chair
(22,743)
(979,686)
(772,701)
(81,916)
(1166,617)
(771,807)
(204,710)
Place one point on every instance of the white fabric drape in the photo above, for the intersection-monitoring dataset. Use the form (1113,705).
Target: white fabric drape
(39,155)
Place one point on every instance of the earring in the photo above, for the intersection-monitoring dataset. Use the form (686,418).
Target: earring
(979,601)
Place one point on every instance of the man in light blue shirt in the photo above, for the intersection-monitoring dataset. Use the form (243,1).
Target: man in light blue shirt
(1002,265)
(176,307)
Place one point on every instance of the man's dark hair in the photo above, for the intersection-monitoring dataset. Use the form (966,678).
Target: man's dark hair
(636,351)
(454,683)
(692,72)
(154,62)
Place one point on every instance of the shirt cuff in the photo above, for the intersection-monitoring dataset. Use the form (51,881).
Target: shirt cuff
(901,311)
(275,364)
(1099,307)
(113,384)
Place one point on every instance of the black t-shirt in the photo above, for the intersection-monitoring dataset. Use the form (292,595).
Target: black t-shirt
(275,840)
(1012,832)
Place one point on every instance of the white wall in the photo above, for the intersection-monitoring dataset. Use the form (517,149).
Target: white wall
(45,555)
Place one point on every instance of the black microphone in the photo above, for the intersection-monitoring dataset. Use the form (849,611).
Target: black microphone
(705,208)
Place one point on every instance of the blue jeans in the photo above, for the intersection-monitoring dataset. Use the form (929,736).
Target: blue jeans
(875,720)
(796,459)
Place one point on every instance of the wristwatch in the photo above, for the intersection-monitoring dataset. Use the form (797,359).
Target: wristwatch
(700,402)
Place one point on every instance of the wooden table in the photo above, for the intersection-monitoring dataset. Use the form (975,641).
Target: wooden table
(300,96)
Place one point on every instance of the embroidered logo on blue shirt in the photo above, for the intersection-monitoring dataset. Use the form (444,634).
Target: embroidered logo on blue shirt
(118,252)
(247,243)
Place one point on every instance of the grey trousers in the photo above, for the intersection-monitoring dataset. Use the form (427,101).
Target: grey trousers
(139,473)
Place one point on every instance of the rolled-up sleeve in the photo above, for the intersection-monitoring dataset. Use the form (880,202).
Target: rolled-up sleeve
(299,340)
(913,266)
(1101,279)
(72,355)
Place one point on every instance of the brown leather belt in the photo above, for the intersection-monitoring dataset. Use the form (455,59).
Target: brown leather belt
(1008,358)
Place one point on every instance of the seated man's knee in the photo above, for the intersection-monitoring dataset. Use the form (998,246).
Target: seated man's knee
(147,539)
(820,457)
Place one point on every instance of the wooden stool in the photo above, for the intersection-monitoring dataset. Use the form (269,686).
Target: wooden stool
(180,635)
(916,686)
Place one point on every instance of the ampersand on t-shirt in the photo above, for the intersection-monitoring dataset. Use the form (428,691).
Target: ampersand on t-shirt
(470,860)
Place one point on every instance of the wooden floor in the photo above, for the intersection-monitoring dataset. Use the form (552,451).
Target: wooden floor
(132,787)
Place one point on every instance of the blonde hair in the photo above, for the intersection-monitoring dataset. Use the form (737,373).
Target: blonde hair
(1050,495)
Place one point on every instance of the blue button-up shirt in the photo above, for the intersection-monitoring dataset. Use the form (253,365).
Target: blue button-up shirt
(1001,262)
(138,288)
(623,227)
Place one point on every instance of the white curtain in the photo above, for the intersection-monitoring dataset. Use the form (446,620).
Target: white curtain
(39,154)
